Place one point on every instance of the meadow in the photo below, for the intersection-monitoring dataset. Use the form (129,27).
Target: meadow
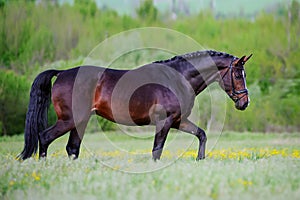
(257,156)
(237,166)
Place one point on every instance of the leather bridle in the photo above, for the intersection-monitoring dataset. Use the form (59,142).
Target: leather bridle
(234,93)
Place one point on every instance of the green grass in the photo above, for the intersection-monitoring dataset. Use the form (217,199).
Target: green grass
(272,176)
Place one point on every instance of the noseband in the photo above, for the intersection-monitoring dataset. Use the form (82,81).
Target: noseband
(234,92)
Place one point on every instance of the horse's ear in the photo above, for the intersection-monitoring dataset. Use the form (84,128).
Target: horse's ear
(240,61)
(247,58)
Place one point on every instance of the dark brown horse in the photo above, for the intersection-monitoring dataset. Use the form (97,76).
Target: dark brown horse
(161,94)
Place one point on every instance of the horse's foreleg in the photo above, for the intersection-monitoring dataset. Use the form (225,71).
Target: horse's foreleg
(52,133)
(191,128)
(162,130)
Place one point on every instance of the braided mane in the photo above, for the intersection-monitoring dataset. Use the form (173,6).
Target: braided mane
(196,54)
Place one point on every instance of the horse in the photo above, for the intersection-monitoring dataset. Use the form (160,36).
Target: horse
(161,94)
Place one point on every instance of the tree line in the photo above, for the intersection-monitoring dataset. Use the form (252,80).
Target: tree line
(37,36)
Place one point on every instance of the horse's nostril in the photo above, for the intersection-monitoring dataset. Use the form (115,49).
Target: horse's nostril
(244,106)
(241,106)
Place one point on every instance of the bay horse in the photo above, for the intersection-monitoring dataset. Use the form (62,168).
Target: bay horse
(161,93)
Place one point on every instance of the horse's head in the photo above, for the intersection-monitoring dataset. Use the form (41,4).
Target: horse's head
(234,82)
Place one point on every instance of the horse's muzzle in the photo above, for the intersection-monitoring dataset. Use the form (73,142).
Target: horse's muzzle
(242,103)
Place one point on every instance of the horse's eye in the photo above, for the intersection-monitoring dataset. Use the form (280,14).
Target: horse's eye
(238,75)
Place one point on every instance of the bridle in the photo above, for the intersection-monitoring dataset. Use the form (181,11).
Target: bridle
(234,93)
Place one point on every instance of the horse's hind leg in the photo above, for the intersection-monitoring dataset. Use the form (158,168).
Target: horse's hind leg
(75,138)
(49,135)
(73,146)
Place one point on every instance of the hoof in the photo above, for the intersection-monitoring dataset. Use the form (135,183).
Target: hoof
(156,155)
(155,159)
(200,158)
(43,156)
(73,157)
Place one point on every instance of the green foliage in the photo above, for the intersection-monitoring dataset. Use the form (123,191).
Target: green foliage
(86,7)
(13,102)
(295,10)
(33,35)
(2,3)
(147,11)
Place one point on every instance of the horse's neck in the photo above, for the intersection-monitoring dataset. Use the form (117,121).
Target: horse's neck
(201,72)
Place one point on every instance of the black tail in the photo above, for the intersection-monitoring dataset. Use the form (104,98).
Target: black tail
(37,113)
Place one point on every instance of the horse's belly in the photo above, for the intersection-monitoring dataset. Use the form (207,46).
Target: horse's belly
(124,114)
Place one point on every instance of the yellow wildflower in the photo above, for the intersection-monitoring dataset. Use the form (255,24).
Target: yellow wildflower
(296,153)
(36,176)
(245,183)
(11,182)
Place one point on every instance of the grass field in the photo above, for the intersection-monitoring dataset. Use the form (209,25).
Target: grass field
(238,166)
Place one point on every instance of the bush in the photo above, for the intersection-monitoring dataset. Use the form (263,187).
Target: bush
(36,34)
(14,92)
